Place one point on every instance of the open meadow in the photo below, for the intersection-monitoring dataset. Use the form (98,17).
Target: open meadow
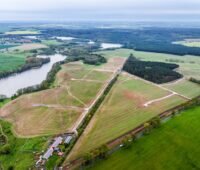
(175,145)
(123,110)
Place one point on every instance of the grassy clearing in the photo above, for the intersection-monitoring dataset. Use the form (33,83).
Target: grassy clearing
(122,111)
(185,88)
(175,145)
(189,65)
(22,151)
(22,32)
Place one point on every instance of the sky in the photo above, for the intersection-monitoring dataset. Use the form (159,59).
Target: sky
(136,10)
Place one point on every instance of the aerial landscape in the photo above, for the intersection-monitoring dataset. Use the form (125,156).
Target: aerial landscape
(86,87)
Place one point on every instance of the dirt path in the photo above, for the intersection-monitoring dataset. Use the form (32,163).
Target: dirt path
(88,80)
(159,86)
(57,106)
(159,99)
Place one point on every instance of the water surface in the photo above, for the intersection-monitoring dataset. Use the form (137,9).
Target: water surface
(10,85)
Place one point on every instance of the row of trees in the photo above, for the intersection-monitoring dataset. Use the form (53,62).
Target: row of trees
(194,80)
(156,72)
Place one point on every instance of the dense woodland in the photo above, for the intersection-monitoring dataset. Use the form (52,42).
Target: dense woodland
(146,39)
(78,53)
(156,72)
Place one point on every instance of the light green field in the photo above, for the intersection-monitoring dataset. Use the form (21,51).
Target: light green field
(22,32)
(85,91)
(185,88)
(189,43)
(190,67)
(12,60)
(23,150)
(173,146)
(122,110)
(28,47)
(51,42)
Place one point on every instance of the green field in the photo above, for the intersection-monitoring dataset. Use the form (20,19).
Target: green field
(51,42)
(175,145)
(22,152)
(122,110)
(189,65)
(186,88)
(11,61)
(190,43)
(22,32)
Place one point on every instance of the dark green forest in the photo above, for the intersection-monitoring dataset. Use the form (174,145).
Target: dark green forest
(156,72)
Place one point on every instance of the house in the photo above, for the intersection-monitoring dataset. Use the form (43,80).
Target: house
(68,139)
(50,151)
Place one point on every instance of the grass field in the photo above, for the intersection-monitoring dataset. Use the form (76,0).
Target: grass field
(175,145)
(28,47)
(185,88)
(189,65)
(22,151)
(123,110)
(22,32)
(189,43)
(51,42)
(55,110)
(12,60)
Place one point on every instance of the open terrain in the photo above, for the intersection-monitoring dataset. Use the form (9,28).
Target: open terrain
(189,42)
(133,101)
(28,47)
(175,145)
(22,32)
(55,110)
(124,109)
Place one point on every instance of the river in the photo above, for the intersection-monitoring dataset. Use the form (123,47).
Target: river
(10,85)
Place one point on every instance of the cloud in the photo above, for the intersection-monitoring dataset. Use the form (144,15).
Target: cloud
(52,9)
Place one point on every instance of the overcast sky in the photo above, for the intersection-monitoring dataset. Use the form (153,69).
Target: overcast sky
(61,10)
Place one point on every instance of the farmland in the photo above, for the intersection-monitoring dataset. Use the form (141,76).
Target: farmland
(28,47)
(43,114)
(10,60)
(189,43)
(175,145)
(22,32)
(123,110)
(185,88)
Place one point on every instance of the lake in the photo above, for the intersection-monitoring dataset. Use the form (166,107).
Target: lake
(110,45)
(10,85)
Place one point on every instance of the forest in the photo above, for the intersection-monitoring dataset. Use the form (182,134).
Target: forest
(156,72)
(146,39)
